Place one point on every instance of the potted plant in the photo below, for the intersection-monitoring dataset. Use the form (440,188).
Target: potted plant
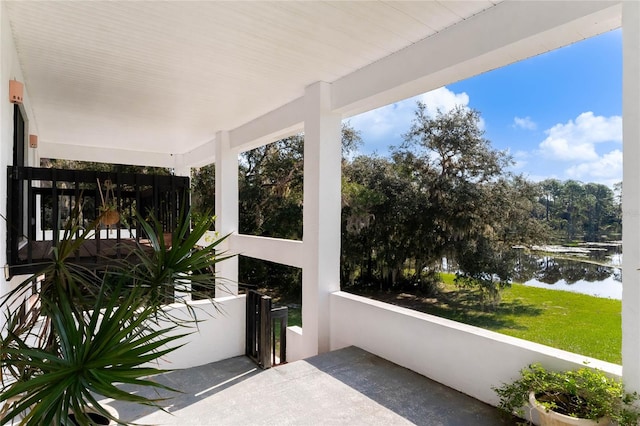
(109,214)
(583,396)
(80,330)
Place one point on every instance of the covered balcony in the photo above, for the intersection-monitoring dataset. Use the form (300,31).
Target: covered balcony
(43,200)
(186,84)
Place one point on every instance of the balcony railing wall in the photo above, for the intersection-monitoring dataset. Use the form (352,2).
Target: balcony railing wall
(41,201)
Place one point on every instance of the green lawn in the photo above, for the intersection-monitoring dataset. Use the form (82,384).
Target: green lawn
(574,322)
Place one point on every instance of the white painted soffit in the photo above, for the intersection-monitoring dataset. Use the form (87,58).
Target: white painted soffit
(163,77)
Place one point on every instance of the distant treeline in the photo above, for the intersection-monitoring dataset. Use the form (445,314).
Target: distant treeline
(579,211)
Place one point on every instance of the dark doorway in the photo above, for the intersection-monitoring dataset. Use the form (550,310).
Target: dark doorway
(18,136)
(15,206)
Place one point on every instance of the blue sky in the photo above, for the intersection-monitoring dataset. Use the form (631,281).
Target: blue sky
(558,114)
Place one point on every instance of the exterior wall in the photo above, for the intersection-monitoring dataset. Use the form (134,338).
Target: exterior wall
(220,335)
(9,69)
(466,358)
(295,344)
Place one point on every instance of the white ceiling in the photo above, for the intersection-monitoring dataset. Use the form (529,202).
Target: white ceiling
(165,76)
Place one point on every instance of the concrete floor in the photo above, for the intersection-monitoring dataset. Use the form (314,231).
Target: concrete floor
(345,387)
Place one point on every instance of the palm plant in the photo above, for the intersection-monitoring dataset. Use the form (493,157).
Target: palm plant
(107,345)
(81,331)
(158,267)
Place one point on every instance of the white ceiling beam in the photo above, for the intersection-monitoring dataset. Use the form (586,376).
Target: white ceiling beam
(203,155)
(286,252)
(270,127)
(506,33)
(281,122)
(105,155)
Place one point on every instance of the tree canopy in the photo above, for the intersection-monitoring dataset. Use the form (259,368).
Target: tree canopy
(444,193)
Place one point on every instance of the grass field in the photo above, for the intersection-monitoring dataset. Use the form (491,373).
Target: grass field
(574,322)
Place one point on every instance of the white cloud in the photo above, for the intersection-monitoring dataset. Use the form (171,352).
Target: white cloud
(524,123)
(443,99)
(575,140)
(606,169)
(565,150)
(384,126)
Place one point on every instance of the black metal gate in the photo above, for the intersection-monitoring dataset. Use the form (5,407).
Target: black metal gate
(266,337)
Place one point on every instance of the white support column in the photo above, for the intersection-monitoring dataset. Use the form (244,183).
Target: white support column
(182,170)
(631,195)
(321,216)
(226,211)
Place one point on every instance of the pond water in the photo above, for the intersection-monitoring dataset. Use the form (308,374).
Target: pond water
(593,269)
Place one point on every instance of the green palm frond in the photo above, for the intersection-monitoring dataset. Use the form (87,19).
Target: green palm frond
(103,348)
(161,269)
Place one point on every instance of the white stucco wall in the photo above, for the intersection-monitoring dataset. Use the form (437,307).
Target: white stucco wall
(6,129)
(466,358)
(9,69)
(219,335)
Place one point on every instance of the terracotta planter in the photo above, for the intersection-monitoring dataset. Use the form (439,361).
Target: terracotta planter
(551,418)
(109,217)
